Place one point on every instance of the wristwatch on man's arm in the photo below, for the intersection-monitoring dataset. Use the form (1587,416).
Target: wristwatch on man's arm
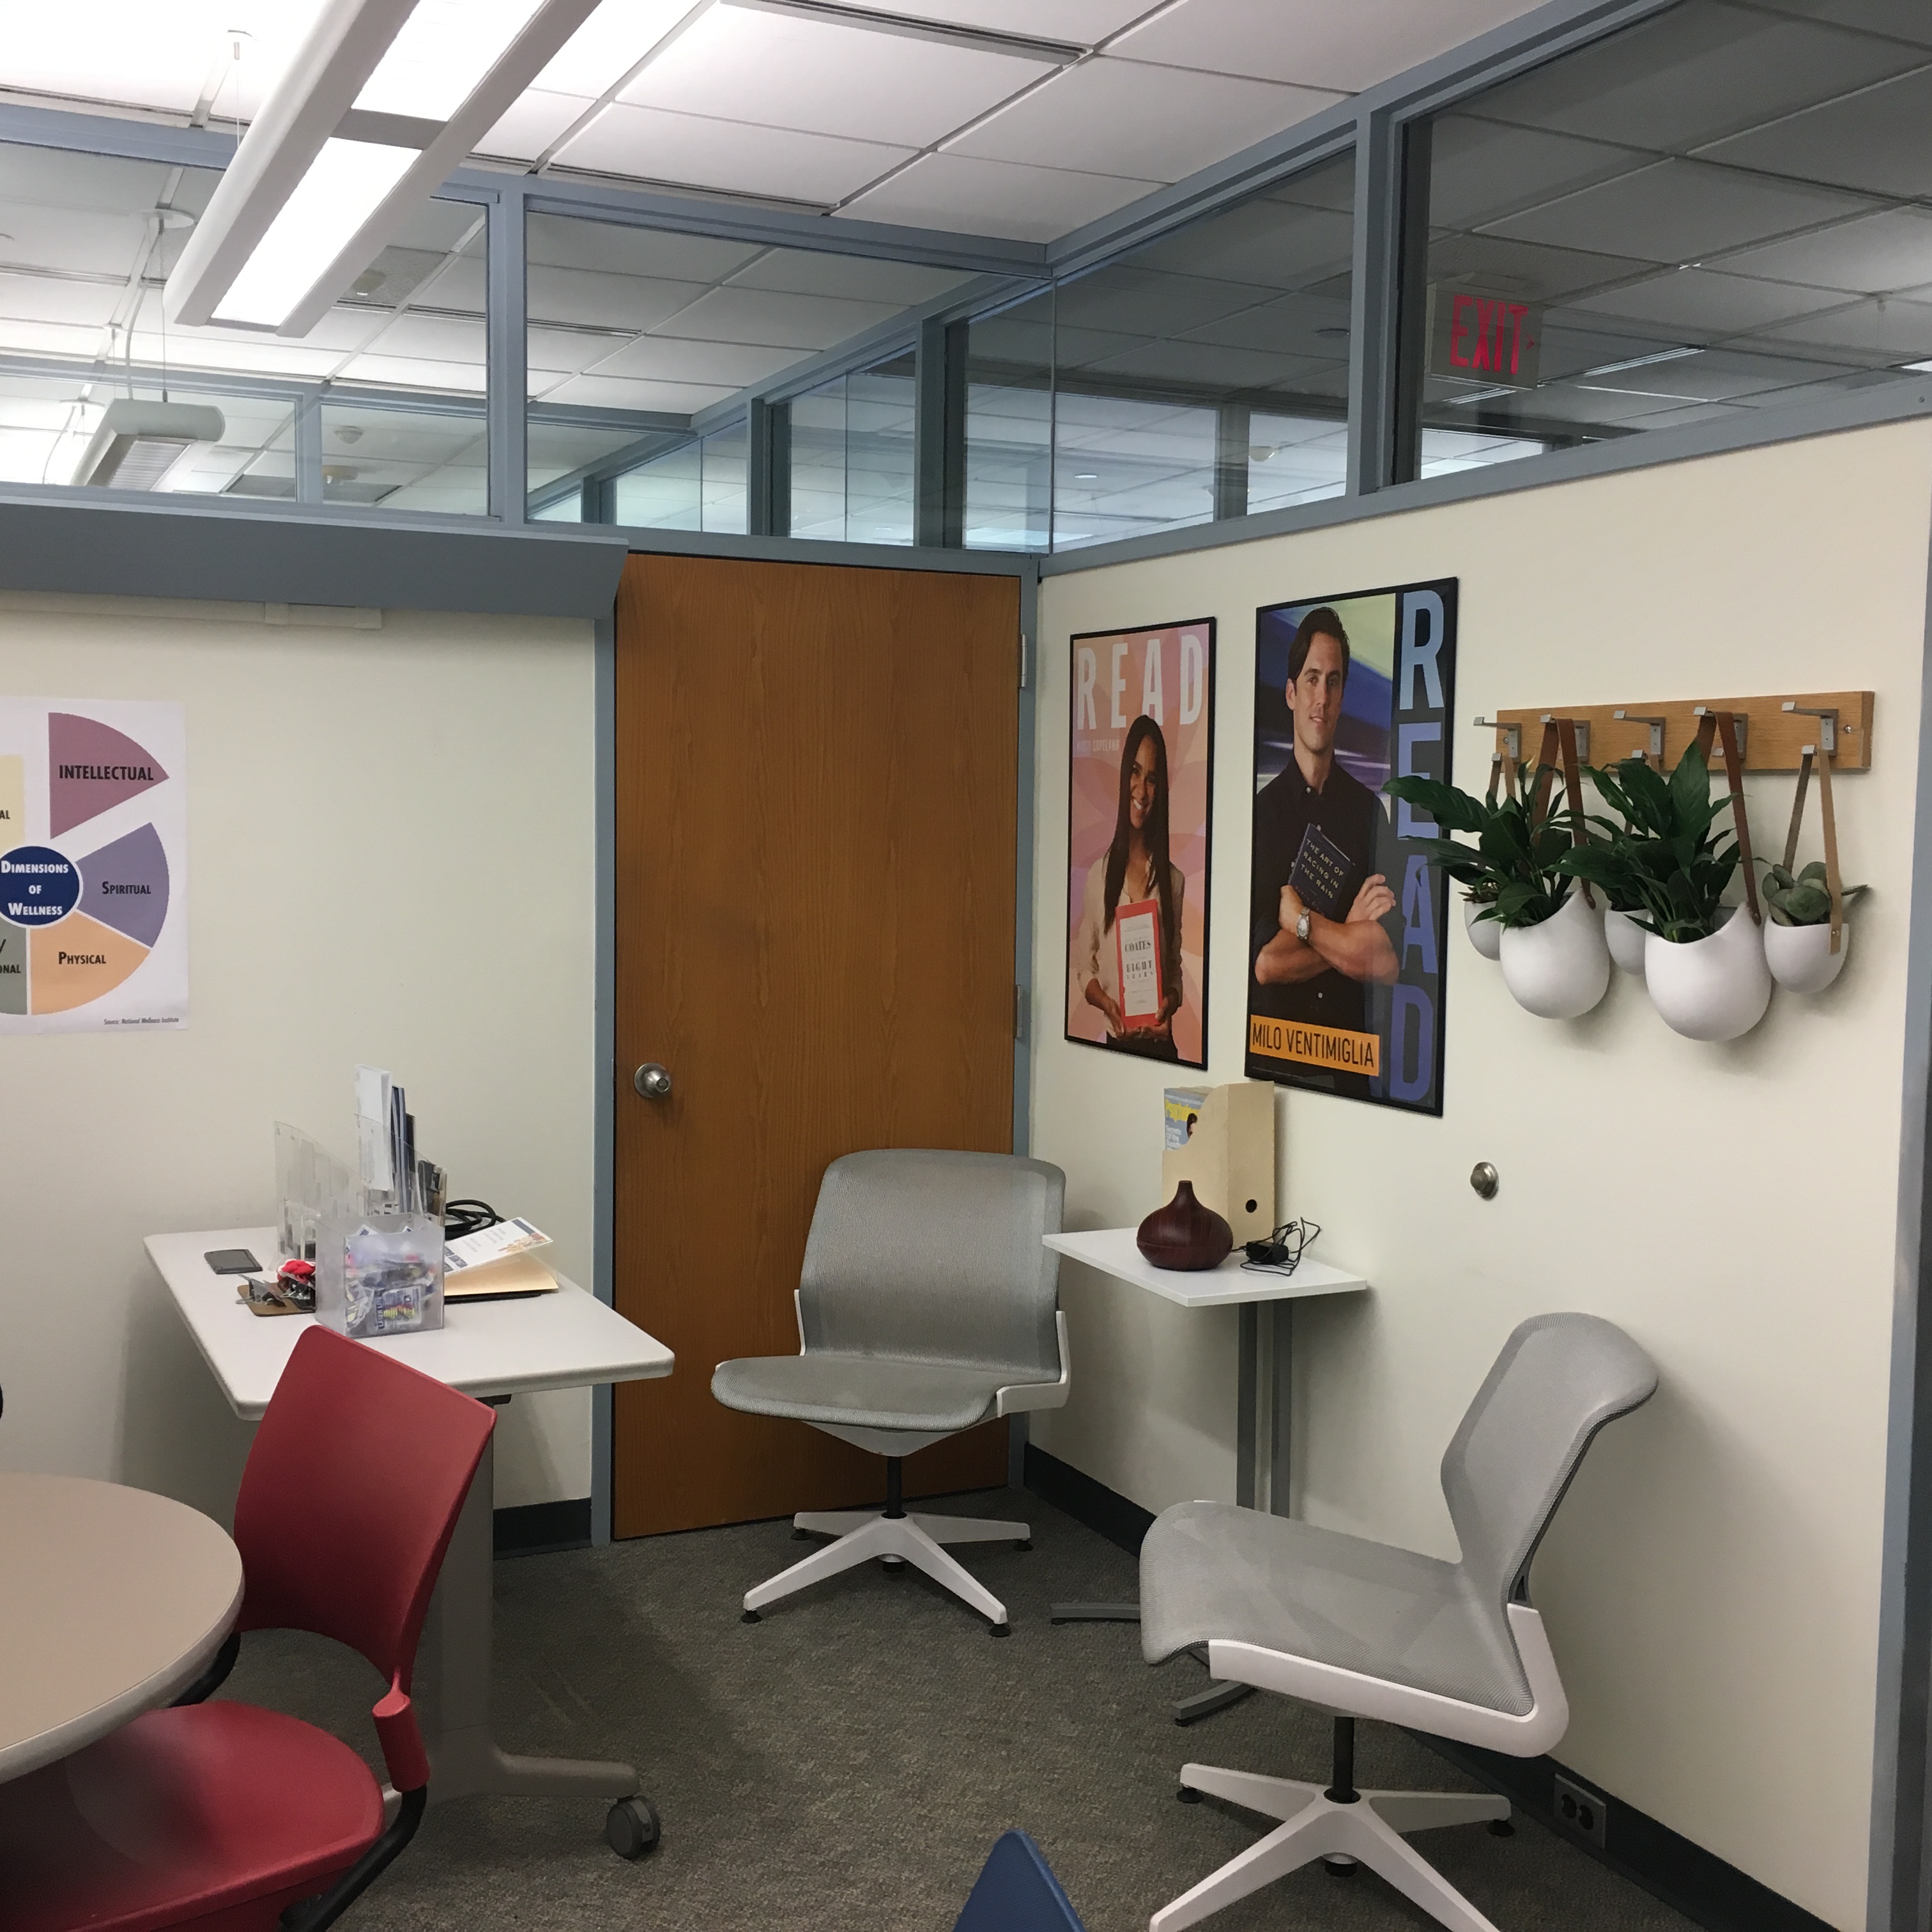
(1304,926)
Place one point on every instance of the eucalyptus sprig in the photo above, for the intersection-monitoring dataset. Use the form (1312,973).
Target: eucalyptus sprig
(1667,863)
(1511,871)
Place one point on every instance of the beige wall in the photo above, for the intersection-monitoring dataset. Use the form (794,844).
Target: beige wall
(1712,1583)
(390,861)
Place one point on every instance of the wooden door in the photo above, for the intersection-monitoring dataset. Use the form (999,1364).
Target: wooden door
(817,792)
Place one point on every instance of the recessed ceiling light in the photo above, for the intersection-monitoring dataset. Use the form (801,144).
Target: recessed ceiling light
(1086,476)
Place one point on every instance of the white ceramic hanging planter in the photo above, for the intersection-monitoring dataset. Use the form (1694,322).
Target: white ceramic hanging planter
(1561,968)
(1485,935)
(1712,988)
(1626,939)
(1801,958)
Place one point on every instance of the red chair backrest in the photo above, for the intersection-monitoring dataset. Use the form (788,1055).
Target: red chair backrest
(357,1476)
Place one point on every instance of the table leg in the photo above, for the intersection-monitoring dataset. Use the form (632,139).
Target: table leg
(451,1687)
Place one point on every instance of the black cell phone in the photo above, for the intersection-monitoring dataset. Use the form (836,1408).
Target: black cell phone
(231,1261)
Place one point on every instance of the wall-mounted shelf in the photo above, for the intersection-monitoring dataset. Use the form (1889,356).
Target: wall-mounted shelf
(1773,741)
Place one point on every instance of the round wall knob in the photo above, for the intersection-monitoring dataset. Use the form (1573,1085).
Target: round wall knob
(1483,1178)
(653,1082)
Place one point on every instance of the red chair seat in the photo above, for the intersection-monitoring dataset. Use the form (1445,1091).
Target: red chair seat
(216,1816)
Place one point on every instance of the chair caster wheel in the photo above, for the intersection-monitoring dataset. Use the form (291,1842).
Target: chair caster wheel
(751,1617)
(1025,1542)
(632,1829)
(1188,1795)
(800,1535)
(1339,1867)
(892,1565)
(1502,1827)
(1000,1630)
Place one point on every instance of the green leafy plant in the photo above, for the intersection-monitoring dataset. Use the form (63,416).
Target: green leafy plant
(1803,898)
(1667,863)
(1511,871)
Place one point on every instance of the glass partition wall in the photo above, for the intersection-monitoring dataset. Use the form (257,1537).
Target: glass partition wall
(1719,211)
(1713,215)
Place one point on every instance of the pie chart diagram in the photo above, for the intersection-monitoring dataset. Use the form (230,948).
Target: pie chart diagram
(78,919)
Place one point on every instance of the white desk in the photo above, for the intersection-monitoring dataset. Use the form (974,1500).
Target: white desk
(492,1350)
(1262,1442)
(113,1601)
(1265,1381)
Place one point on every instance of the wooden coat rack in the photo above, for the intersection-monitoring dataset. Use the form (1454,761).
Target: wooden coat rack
(1776,729)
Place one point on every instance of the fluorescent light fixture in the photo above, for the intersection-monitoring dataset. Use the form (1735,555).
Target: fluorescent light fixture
(384,100)
(1920,368)
(1635,362)
(138,443)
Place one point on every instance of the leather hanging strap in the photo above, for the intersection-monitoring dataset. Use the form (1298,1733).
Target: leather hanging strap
(1798,810)
(1546,772)
(1724,725)
(1573,782)
(1502,766)
(1833,883)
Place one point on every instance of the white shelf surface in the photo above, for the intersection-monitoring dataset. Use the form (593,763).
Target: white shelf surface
(564,1340)
(1112,1250)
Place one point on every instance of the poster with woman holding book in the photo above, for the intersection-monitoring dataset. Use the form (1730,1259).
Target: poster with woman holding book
(1141,757)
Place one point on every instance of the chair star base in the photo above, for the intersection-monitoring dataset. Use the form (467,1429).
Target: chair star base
(864,1534)
(1369,1830)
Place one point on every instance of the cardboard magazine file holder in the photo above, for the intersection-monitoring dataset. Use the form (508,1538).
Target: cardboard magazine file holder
(1230,1159)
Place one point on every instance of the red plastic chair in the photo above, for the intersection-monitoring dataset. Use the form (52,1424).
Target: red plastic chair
(224,1816)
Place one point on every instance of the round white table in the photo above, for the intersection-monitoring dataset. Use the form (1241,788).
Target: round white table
(112,1601)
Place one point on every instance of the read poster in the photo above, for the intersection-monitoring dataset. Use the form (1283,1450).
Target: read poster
(1141,752)
(1348,924)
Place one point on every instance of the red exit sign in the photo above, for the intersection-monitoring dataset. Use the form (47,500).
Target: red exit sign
(1483,338)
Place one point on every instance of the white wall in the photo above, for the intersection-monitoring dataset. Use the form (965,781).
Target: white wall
(390,861)
(1711,1583)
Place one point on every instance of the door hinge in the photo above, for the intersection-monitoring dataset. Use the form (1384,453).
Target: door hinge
(1026,645)
(1020,1014)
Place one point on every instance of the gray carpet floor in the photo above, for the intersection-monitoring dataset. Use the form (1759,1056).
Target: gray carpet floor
(847,1763)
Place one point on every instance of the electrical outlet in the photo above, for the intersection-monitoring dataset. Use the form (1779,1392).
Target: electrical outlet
(1580,1810)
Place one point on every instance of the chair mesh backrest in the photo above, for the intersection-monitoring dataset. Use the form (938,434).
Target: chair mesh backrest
(1559,1379)
(936,1257)
(356,1477)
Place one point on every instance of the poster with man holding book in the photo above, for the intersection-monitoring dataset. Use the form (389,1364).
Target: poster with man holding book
(1140,755)
(1347,924)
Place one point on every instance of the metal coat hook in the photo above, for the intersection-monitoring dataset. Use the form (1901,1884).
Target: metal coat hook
(1828,727)
(1512,737)
(1741,721)
(1583,728)
(1656,731)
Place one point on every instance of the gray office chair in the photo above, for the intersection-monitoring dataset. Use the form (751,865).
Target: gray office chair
(1363,1629)
(928,1304)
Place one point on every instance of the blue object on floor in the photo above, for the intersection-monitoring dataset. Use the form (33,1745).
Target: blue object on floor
(1016,1892)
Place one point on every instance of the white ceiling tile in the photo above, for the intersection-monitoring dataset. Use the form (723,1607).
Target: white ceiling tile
(611,247)
(1903,19)
(1207,365)
(609,44)
(607,302)
(433,338)
(779,70)
(52,235)
(1125,117)
(1498,266)
(1676,211)
(1895,330)
(1313,42)
(612,392)
(1876,139)
(1029,204)
(1079,22)
(1871,257)
(30,456)
(1697,301)
(535,120)
(648,144)
(566,351)
(21,337)
(774,319)
(1263,241)
(408,373)
(661,358)
(1482,170)
(44,299)
(224,349)
(1690,74)
(805,272)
